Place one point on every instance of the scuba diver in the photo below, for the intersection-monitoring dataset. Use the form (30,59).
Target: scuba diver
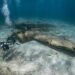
(5,45)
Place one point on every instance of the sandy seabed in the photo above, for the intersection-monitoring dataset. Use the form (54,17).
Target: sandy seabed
(35,58)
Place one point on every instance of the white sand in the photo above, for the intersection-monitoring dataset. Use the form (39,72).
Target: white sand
(38,59)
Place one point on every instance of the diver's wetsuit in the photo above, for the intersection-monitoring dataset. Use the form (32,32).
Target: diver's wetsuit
(4,45)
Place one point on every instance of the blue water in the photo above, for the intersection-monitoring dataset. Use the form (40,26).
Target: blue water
(49,9)
(60,13)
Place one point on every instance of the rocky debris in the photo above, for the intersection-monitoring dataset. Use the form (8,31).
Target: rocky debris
(21,37)
(30,34)
(45,38)
(34,26)
(56,42)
